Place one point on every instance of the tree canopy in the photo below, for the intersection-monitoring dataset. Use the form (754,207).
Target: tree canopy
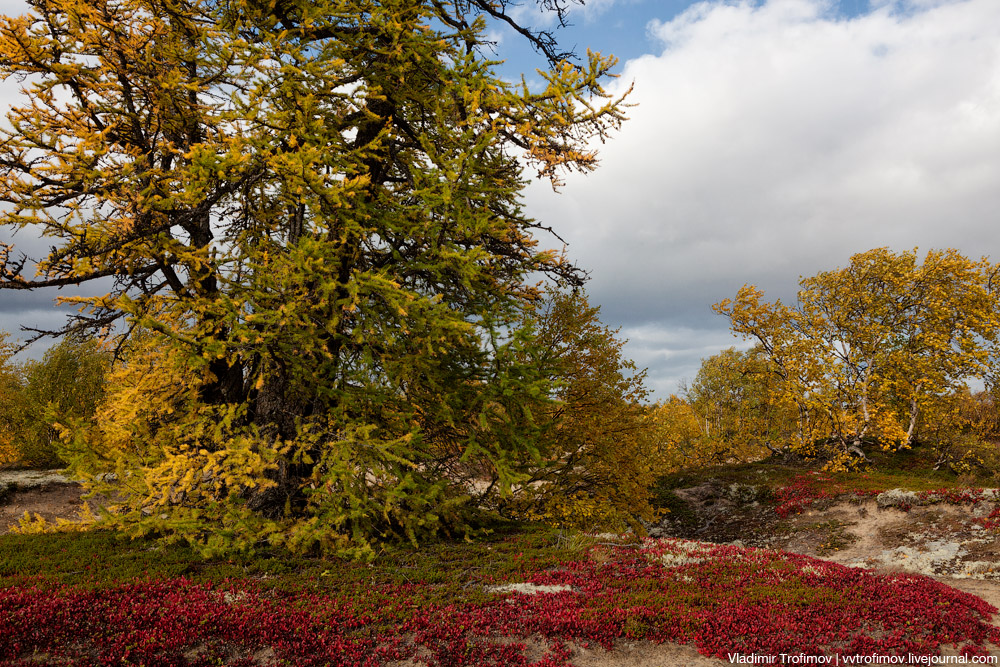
(869,348)
(739,399)
(67,383)
(303,228)
(598,445)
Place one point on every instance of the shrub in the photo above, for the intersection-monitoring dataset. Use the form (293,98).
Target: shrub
(67,384)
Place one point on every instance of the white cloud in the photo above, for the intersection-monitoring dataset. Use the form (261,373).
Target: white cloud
(595,10)
(775,139)
(530,14)
(13,7)
(672,355)
(10,88)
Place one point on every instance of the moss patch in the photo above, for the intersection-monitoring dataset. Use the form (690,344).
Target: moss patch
(834,536)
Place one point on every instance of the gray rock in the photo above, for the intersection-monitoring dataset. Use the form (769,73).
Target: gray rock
(897,498)
(30,479)
(528,589)
(743,494)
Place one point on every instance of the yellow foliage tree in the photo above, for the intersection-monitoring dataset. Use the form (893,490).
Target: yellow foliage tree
(870,347)
(10,386)
(741,407)
(962,430)
(599,455)
(37,396)
(681,439)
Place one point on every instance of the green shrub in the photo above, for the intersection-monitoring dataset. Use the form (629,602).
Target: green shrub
(37,396)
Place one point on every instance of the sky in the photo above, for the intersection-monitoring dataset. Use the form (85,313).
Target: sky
(769,140)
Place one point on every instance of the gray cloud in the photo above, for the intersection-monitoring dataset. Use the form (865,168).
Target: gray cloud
(775,140)
(15,304)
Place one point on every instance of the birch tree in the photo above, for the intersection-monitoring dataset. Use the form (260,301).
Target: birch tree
(870,347)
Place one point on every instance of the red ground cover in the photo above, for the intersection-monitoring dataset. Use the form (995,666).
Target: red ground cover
(723,599)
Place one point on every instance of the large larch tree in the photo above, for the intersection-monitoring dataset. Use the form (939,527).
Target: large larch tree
(301,220)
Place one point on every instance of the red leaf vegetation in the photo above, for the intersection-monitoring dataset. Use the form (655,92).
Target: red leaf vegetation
(722,599)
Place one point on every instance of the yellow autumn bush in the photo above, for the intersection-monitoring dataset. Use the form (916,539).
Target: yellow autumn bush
(37,396)
(599,455)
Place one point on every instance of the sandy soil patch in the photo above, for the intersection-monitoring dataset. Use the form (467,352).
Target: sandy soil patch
(625,654)
(643,654)
(935,540)
(51,501)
